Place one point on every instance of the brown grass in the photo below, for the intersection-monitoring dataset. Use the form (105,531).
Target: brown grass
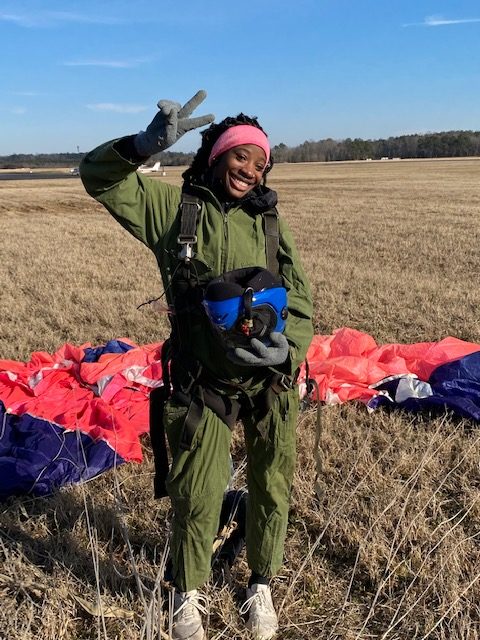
(391,548)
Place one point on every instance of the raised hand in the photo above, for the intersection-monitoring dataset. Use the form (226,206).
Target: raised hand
(171,123)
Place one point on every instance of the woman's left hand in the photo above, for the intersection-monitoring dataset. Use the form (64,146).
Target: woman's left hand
(260,354)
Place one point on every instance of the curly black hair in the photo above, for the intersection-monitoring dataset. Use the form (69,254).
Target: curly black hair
(199,166)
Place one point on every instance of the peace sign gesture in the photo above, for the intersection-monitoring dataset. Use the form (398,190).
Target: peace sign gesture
(170,124)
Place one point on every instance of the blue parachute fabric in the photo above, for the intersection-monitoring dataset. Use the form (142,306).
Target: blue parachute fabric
(455,385)
(38,456)
(93,354)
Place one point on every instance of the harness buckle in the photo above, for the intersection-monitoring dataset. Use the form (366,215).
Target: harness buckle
(186,252)
(282,383)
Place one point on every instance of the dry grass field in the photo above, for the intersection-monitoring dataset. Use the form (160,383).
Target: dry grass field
(391,549)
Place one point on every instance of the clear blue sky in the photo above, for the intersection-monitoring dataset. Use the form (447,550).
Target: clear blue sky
(74,74)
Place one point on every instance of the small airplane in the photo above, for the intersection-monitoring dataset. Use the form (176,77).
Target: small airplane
(143,168)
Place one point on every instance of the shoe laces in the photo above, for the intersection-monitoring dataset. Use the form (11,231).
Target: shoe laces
(191,601)
(259,601)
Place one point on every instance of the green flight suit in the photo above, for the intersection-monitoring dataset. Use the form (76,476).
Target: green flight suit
(199,475)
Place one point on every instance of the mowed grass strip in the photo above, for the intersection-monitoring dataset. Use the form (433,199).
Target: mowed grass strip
(390,549)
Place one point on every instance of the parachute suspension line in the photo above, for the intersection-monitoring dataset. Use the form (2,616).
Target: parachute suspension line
(230,525)
(317,451)
(152,598)
(312,385)
(61,439)
(4,425)
(120,510)
(153,300)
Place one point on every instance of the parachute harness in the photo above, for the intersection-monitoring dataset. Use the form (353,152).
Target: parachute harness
(187,379)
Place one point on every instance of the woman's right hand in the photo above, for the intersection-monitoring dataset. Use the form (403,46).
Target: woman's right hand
(170,124)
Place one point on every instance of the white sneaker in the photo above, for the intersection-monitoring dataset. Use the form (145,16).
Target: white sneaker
(262,617)
(187,621)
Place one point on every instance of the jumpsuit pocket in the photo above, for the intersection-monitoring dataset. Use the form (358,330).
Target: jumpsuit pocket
(198,470)
(174,415)
(273,451)
(283,421)
(181,477)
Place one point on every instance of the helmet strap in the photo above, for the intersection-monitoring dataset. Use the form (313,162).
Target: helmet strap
(247,322)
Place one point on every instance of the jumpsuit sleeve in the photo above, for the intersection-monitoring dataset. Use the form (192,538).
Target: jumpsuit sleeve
(143,206)
(299,326)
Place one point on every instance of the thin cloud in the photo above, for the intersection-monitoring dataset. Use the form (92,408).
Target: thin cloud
(440,21)
(65,16)
(18,111)
(112,64)
(22,21)
(25,94)
(56,18)
(116,107)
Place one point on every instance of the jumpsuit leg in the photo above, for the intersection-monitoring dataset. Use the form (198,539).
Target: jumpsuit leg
(196,483)
(270,469)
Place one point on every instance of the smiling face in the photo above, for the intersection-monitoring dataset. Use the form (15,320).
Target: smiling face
(240,169)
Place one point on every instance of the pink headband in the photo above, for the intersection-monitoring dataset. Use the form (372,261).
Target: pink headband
(235,136)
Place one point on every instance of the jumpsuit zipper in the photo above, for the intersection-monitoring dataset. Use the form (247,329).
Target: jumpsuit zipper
(224,215)
(225,238)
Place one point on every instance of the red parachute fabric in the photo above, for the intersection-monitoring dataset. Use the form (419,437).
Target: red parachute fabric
(346,364)
(106,399)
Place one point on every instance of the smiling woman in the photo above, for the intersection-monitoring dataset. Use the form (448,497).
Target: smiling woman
(220,225)
(240,155)
(238,142)
(240,170)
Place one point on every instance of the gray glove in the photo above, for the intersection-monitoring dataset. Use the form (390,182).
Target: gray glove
(261,355)
(170,123)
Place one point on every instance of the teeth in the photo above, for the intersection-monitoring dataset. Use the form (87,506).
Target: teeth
(236,179)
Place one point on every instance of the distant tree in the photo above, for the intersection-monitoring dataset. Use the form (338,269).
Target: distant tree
(280,152)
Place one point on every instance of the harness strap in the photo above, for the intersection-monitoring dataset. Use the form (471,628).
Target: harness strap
(227,409)
(190,207)
(272,239)
(192,420)
(157,400)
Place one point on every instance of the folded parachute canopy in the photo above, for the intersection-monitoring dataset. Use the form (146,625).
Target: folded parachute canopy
(67,417)
(349,365)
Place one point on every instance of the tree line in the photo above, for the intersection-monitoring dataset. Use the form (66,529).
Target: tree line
(61,160)
(447,144)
